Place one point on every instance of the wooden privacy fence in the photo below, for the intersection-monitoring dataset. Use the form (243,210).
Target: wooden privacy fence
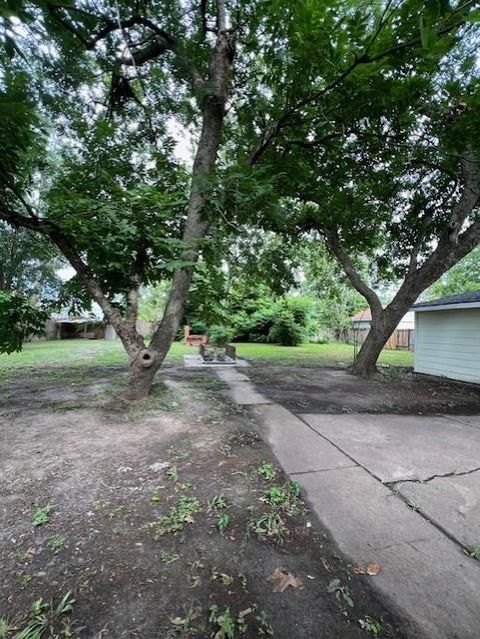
(400,339)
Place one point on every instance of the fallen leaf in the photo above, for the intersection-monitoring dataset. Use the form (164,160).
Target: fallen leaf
(282,579)
(373,569)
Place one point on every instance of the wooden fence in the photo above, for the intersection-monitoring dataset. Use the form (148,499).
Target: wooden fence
(400,339)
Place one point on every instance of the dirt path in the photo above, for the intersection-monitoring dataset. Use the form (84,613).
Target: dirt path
(162,520)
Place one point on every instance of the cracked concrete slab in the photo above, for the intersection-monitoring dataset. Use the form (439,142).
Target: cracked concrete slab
(424,573)
(451,502)
(400,447)
(296,446)
(344,463)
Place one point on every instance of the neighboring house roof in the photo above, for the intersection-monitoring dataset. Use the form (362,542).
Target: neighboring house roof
(464,300)
(362,316)
(407,322)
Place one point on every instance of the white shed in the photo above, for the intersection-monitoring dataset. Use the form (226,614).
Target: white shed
(447,337)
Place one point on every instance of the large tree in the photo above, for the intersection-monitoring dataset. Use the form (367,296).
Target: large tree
(113,78)
(387,166)
(132,62)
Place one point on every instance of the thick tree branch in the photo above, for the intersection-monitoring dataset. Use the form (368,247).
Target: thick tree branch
(351,272)
(51,230)
(162,43)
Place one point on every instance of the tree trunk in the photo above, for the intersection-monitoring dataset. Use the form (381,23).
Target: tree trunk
(384,322)
(142,373)
(365,363)
(196,226)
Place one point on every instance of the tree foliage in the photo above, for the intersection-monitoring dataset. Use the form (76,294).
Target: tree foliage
(464,277)
(353,123)
(19,321)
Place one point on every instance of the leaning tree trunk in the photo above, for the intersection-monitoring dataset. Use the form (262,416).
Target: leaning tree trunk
(365,363)
(383,325)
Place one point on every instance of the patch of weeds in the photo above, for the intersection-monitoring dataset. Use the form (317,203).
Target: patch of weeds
(264,627)
(99,503)
(45,621)
(183,486)
(222,621)
(286,497)
(173,473)
(222,522)
(243,581)
(242,438)
(25,580)
(184,625)
(342,593)
(177,517)
(227,580)
(41,515)
(371,625)
(217,503)
(267,471)
(474,551)
(269,527)
(5,628)
(119,511)
(154,499)
(56,543)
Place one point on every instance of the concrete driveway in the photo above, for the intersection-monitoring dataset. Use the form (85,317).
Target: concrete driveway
(402,491)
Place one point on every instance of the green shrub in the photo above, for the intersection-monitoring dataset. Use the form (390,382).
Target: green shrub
(286,331)
(220,335)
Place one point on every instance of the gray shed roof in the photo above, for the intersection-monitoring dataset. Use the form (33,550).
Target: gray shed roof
(464,299)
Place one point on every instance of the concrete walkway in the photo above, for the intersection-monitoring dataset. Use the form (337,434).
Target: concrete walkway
(401,491)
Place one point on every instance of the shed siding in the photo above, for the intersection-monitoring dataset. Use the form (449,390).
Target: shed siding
(447,343)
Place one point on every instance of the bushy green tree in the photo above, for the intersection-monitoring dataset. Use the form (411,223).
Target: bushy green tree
(462,278)
(381,161)
(19,320)
(307,85)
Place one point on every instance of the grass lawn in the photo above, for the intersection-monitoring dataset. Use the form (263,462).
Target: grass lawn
(100,352)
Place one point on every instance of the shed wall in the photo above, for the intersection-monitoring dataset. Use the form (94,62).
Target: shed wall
(447,343)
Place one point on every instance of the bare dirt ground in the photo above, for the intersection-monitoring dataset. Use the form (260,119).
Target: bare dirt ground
(164,519)
(332,389)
